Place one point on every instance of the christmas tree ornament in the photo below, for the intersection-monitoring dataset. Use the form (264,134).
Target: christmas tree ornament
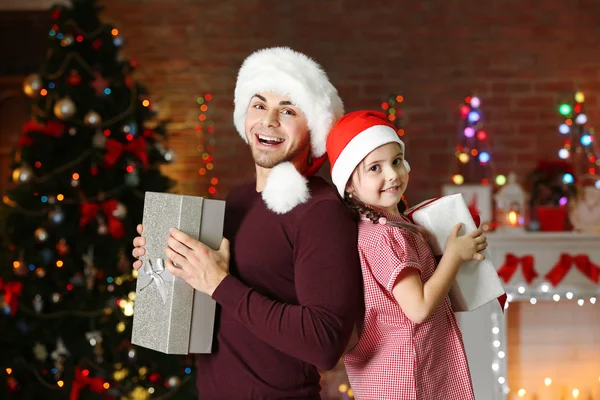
(40,352)
(120,212)
(67,40)
(96,44)
(19,268)
(173,382)
(59,355)
(32,85)
(64,108)
(57,216)
(139,393)
(40,272)
(62,247)
(99,84)
(23,174)
(72,131)
(38,303)
(41,235)
(89,270)
(118,41)
(130,128)
(102,228)
(92,118)
(168,155)
(56,297)
(74,78)
(99,140)
(13,384)
(120,374)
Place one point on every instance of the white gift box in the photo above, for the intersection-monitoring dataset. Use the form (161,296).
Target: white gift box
(169,315)
(477,282)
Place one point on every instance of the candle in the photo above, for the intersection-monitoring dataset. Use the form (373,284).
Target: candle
(548,391)
(513,218)
(523,394)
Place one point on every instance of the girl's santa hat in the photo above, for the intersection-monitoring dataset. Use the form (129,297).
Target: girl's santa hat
(353,138)
(285,72)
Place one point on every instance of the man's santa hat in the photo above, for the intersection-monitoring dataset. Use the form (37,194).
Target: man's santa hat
(353,138)
(285,72)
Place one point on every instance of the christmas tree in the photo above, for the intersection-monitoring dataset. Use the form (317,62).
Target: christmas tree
(579,146)
(93,146)
(472,153)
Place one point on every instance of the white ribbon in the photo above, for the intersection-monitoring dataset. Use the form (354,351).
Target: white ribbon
(154,274)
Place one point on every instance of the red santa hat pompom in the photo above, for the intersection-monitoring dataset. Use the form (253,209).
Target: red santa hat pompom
(352,139)
(285,72)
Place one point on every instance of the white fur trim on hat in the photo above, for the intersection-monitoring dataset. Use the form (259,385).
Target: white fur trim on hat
(285,72)
(358,148)
(285,188)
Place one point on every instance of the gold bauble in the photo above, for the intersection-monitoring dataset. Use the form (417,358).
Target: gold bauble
(64,108)
(32,85)
(92,118)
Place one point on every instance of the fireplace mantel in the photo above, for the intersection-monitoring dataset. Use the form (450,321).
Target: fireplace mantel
(484,330)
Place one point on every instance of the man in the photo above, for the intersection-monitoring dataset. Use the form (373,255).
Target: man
(291,291)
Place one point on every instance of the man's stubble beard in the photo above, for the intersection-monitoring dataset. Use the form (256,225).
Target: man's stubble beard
(266,160)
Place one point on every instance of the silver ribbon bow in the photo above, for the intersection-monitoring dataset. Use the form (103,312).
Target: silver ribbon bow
(154,273)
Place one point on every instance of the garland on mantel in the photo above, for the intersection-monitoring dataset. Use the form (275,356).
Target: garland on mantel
(558,272)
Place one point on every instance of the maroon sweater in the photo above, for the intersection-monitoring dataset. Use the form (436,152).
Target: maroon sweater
(289,305)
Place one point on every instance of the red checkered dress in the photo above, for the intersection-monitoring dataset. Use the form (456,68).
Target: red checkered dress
(394,357)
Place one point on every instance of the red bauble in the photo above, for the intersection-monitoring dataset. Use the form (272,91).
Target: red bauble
(96,44)
(74,78)
(154,377)
(56,14)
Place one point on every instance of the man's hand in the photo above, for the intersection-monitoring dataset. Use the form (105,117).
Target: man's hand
(138,247)
(196,263)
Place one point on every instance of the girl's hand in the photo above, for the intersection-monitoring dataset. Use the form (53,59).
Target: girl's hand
(466,247)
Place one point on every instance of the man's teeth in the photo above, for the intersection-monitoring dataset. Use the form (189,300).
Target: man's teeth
(270,140)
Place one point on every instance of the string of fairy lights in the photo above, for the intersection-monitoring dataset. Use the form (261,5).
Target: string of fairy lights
(579,144)
(205,132)
(532,294)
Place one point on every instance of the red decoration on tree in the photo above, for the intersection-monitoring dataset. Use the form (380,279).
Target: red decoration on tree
(511,264)
(51,128)
(565,262)
(74,78)
(56,13)
(114,149)
(154,377)
(12,291)
(96,44)
(99,84)
(90,210)
(82,380)
(129,81)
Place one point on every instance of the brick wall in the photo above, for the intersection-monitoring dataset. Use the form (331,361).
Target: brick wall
(521,57)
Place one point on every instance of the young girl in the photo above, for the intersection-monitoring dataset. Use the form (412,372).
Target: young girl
(409,343)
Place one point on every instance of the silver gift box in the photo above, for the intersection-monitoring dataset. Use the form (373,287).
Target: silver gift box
(169,315)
